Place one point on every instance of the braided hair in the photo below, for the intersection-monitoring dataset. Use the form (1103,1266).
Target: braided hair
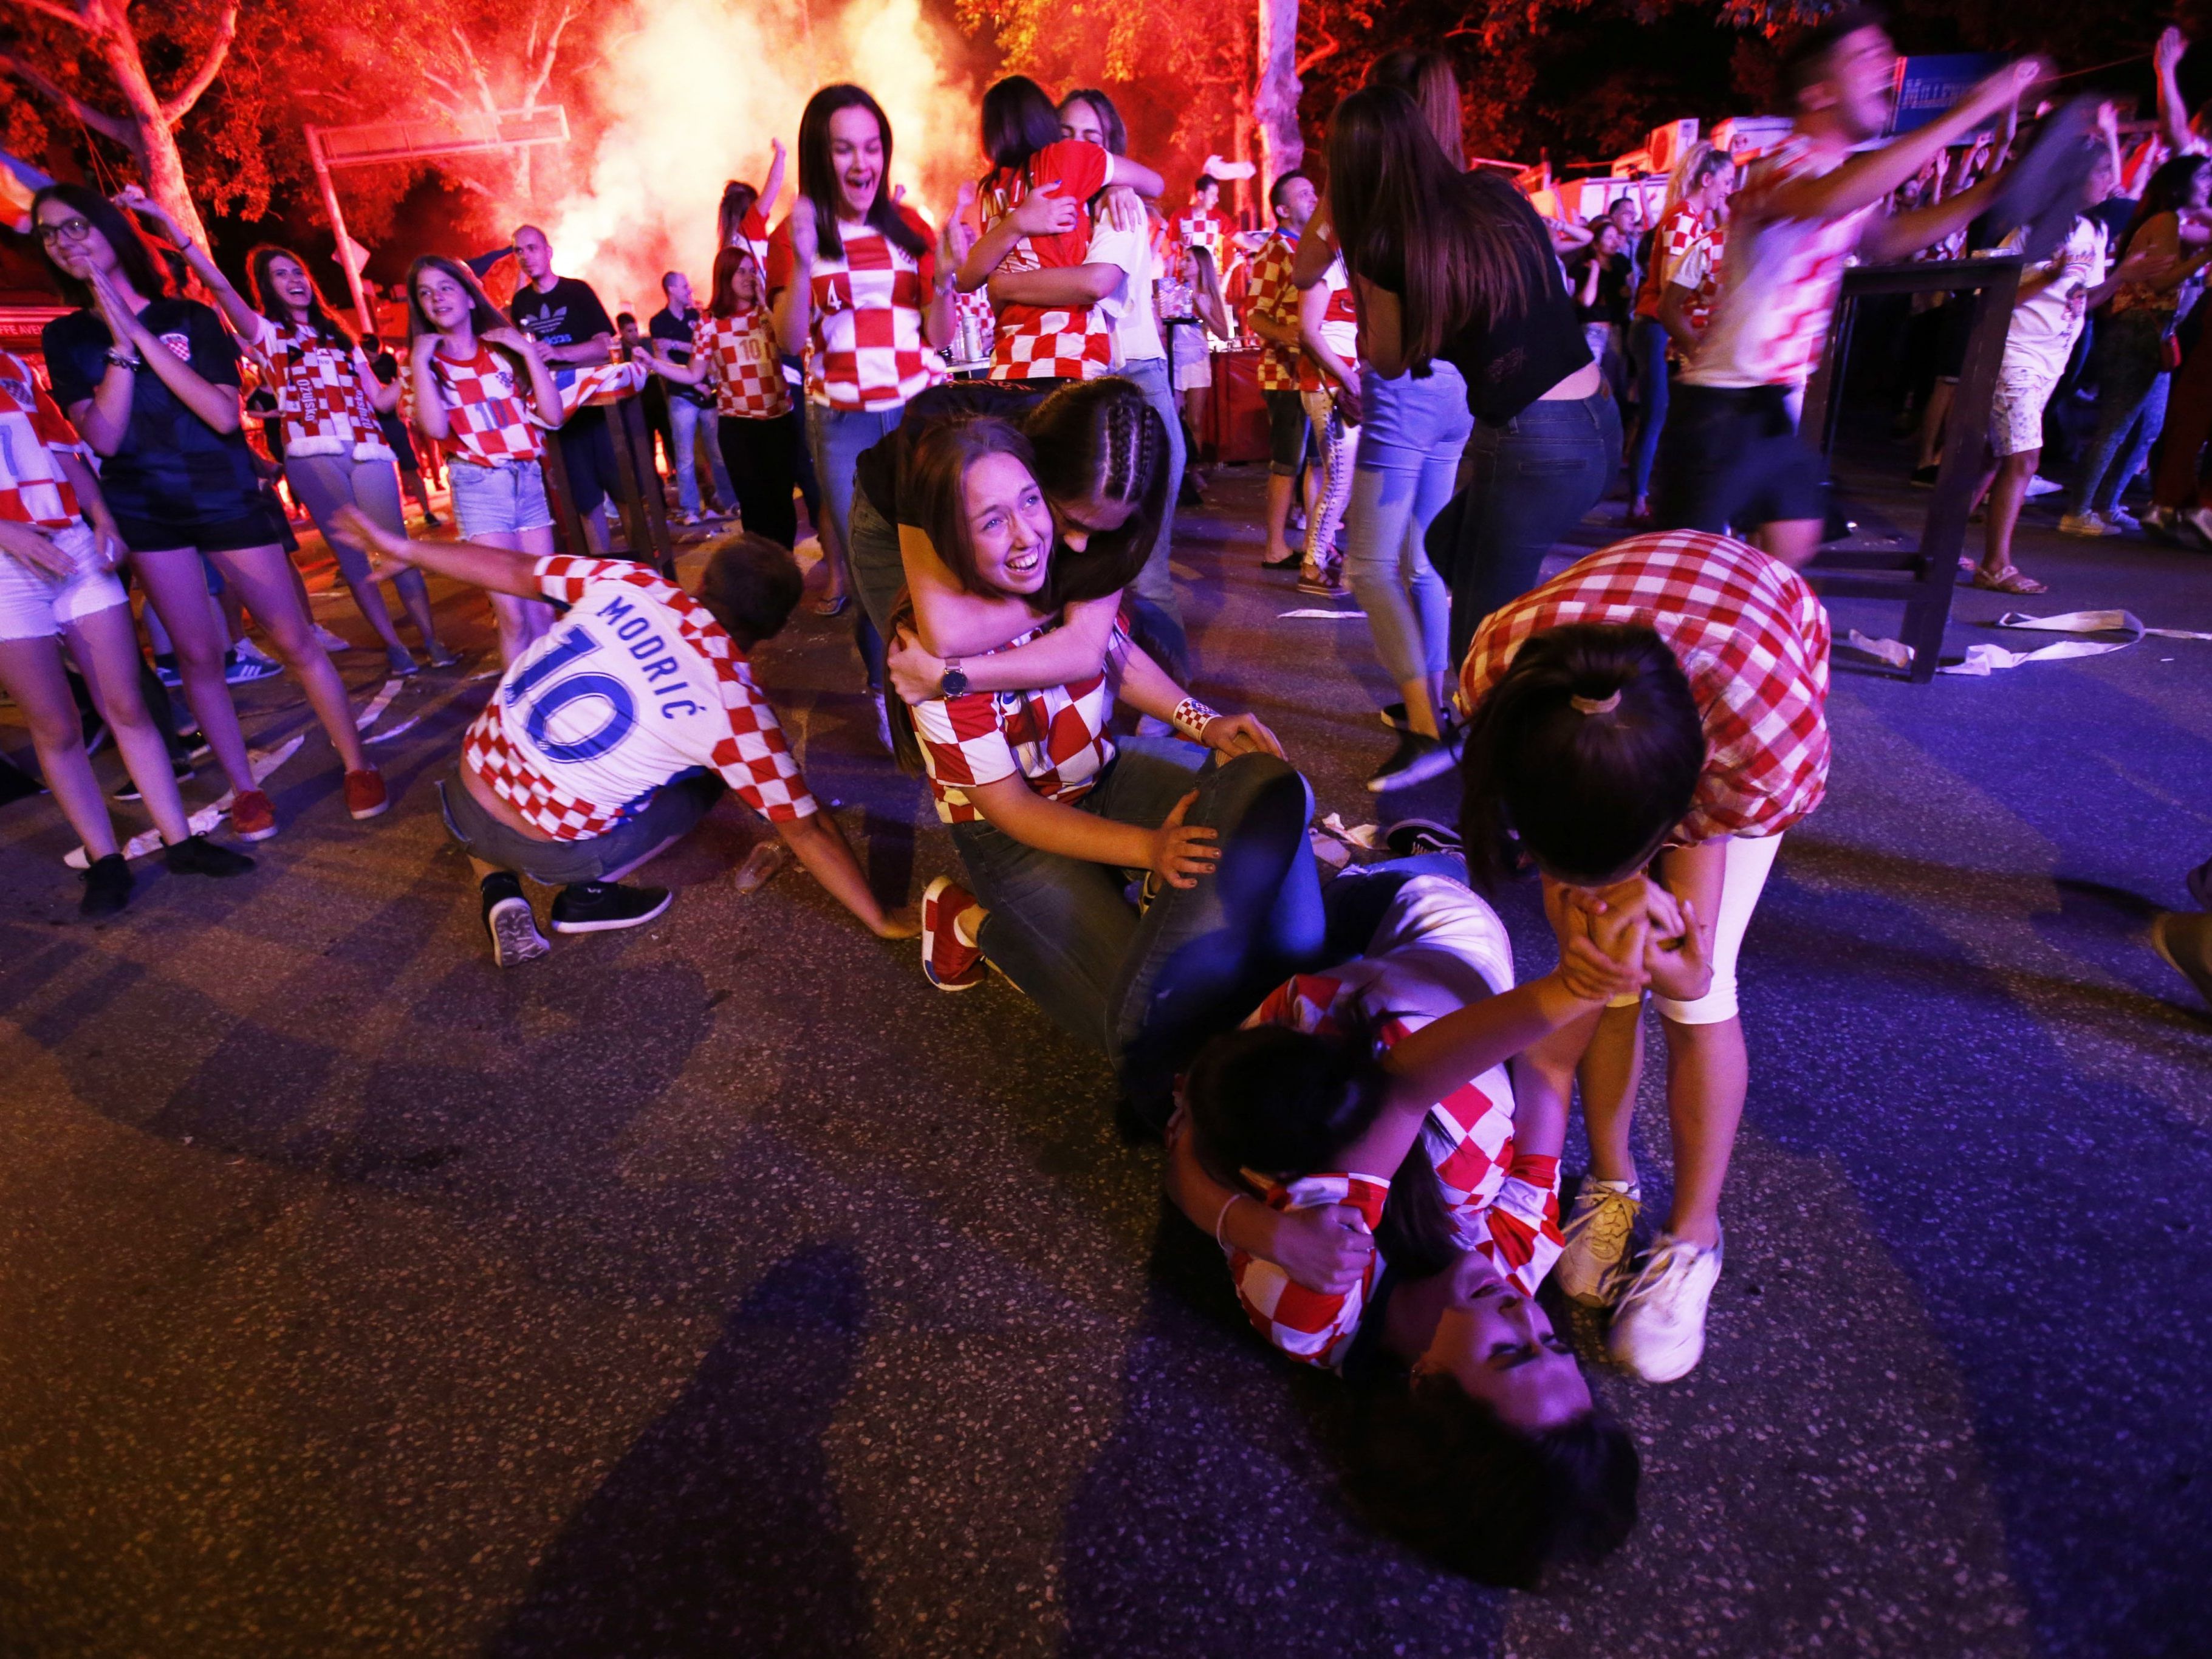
(1100,441)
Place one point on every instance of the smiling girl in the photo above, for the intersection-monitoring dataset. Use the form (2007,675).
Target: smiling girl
(151,384)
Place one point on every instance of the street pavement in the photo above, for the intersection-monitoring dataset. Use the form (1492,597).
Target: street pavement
(720,1288)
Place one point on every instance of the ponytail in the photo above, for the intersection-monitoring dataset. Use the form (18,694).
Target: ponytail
(1588,749)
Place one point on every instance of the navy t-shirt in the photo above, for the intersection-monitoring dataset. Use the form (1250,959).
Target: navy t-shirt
(173,469)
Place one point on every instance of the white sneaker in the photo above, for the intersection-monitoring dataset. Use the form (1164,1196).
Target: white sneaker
(249,652)
(1597,1231)
(2121,522)
(2083,524)
(1659,1327)
(2041,486)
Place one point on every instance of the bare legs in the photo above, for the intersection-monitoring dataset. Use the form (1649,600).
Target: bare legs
(262,578)
(176,587)
(522,622)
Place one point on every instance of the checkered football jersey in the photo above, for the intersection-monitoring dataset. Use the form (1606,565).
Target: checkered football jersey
(1054,739)
(868,348)
(748,369)
(486,408)
(1050,343)
(1274,298)
(32,429)
(1206,227)
(1750,636)
(1438,948)
(1680,229)
(1769,324)
(1699,269)
(320,396)
(636,684)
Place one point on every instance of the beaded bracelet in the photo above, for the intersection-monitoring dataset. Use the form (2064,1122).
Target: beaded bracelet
(1191,717)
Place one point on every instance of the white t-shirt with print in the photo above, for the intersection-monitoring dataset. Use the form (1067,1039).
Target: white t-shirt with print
(1129,308)
(2045,324)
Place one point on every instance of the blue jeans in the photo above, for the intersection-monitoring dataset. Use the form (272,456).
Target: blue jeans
(1152,595)
(687,423)
(2127,361)
(837,437)
(1528,482)
(1356,901)
(871,550)
(1647,339)
(1409,454)
(1149,989)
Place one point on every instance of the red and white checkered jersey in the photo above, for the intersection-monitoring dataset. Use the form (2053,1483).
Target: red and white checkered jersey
(973,308)
(32,428)
(1055,738)
(487,407)
(1699,269)
(1054,342)
(1779,290)
(1439,947)
(752,232)
(597,383)
(748,369)
(636,684)
(320,394)
(1750,636)
(1340,327)
(866,334)
(1274,298)
(1206,227)
(1680,227)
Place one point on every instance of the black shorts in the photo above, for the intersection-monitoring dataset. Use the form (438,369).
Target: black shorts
(1730,461)
(1287,430)
(587,451)
(263,527)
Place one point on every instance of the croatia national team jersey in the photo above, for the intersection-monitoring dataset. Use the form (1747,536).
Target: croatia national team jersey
(1340,328)
(1050,343)
(868,350)
(320,393)
(488,420)
(636,684)
(748,371)
(33,487)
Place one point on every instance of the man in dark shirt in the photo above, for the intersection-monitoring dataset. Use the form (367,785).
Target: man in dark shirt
(691,412)
(573,331)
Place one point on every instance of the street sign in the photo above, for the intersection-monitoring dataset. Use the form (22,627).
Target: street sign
(1927,86)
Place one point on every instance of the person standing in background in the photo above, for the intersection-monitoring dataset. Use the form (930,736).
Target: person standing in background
(1272,315)
(691,410)
(573,330)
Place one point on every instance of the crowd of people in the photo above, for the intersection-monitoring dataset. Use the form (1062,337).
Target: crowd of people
(1359,1102)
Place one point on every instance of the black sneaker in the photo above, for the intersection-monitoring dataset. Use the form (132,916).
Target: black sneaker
(599,906)
(196,855)
(1290,560)
(1416,759)
(1410,836)
(106,887)
(1394,716)
(507,919)
(182,770)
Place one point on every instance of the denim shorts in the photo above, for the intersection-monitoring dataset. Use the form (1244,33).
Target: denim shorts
(498,500)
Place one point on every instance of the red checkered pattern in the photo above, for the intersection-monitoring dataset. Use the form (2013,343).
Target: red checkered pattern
(32,428)
(690,692)
(1769,324)
(1339,327)
(1206,227)
(973,307)
(1049,342)
(868,349)
(748,372)
(597,383)
(1274,298)
(319,395)
(1054,739)
(1750,636)
(484,395)
(1313,1327)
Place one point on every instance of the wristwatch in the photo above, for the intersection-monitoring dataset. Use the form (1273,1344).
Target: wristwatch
(123,359)
(952,683)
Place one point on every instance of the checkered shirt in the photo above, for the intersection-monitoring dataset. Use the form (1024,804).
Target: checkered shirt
(486,410)
(1504,1202)
(1206,227)
(1769,325)
(1750,636)
(1699,269)
(1054,739)
(326,409)
(749,381)
(32,429)
(1274,298)
(636,684)
(597,383)
(1050,343)
(1670,243)
(868,348)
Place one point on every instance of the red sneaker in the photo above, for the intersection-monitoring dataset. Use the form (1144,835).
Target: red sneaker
(251,816)
(364,792)
(948,964)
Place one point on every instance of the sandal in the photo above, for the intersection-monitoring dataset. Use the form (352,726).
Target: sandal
(1968,564)
(2010,580)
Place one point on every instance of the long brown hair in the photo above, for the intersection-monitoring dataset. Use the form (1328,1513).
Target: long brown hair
(933,472)
(320,321)
(817,173)
(1455,245)
(1429,79)
(727,263)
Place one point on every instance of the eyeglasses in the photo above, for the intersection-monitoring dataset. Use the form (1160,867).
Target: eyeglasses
(72,229)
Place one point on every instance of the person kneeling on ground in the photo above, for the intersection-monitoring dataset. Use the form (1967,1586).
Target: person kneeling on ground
(1355,1152)
(1052,816)
(612,735)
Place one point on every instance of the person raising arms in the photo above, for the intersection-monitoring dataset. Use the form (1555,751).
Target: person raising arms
(614,733)
(150,382)
(482,389)
(335,451)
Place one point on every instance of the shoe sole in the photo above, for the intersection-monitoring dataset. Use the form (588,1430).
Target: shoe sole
(1429,766)
(616,925)
(252,834)
(514,935)
(375,811)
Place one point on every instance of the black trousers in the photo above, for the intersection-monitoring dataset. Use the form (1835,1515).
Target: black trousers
(763,458)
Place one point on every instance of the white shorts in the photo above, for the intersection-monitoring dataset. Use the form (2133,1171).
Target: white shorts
(2016,412)
(34,605)
(1742,880)
(1187,353)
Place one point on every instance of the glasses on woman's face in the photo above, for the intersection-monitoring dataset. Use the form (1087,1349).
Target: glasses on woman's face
(75,228)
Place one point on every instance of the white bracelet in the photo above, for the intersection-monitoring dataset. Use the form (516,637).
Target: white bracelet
(1223,1217)
(1191,717)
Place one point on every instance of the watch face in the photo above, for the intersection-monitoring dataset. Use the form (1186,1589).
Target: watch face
(955,682)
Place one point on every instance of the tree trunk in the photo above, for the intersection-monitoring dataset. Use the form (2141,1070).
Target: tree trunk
(1275,101)
(159,164)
